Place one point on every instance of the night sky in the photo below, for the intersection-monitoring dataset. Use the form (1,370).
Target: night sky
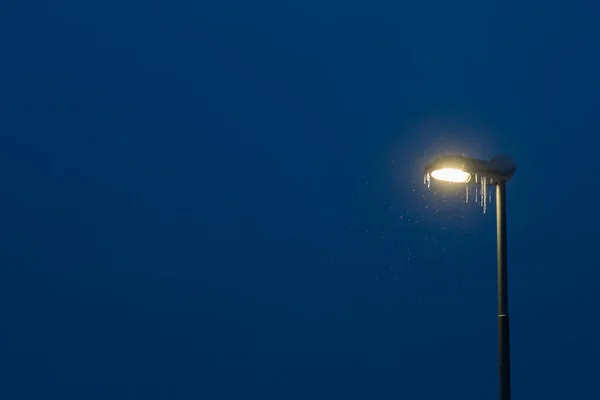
(225,200)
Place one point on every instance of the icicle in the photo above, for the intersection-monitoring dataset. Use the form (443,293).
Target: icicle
(481,189)
(428,181)
(484,193)
(467,186)
(424,179)
(475,178)
(480,194)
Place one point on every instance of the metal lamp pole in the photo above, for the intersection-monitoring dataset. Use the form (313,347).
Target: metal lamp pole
(503,324)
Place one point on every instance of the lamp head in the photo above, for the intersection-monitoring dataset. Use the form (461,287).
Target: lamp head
(461,169)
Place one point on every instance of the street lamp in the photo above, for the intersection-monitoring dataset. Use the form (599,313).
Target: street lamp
(464,170)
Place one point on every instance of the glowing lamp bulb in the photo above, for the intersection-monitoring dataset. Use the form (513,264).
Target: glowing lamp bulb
(451,175)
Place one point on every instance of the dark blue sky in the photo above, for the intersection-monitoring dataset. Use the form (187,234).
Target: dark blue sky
(224,200)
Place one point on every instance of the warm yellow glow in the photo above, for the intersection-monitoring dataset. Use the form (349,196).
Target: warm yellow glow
(451,175)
